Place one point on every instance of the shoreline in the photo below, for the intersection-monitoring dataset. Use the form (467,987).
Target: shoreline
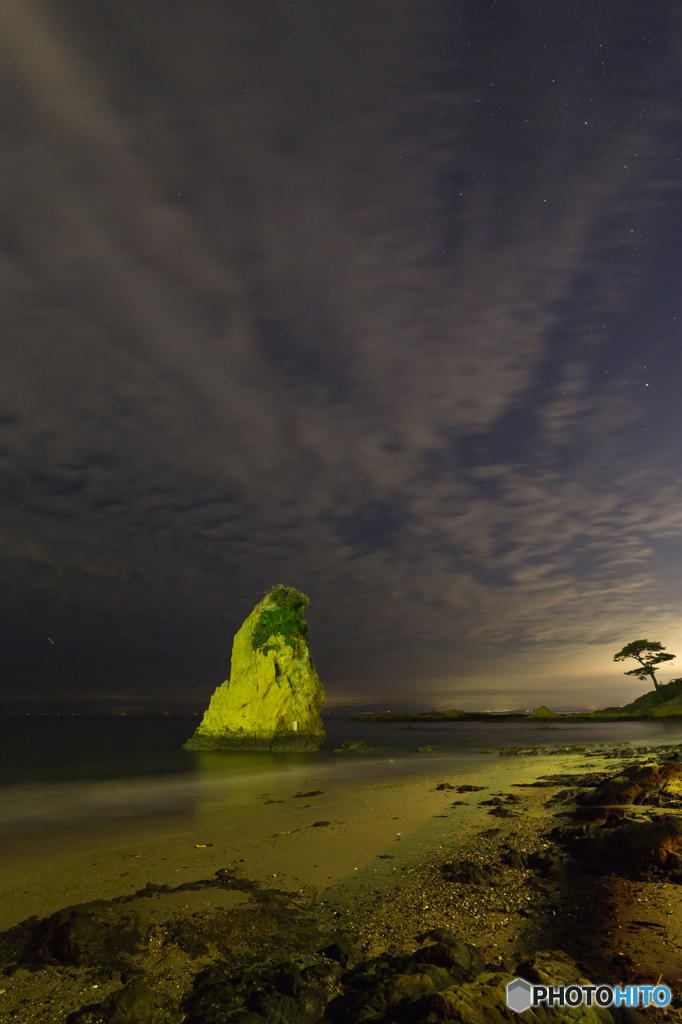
(374,872)
(102,861)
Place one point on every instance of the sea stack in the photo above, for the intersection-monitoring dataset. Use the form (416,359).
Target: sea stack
(273,696)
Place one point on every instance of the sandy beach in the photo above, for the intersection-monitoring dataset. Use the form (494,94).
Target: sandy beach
(367,860)
(266,839)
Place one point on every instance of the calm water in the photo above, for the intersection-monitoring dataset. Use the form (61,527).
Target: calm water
(57,771)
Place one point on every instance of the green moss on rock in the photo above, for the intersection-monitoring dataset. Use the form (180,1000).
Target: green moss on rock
(283,619)
(273,696)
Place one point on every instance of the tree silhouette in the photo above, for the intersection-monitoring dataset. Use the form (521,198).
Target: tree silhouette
(649,655)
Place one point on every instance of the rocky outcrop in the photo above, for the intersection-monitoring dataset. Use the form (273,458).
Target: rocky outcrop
(613,835)
(638,848)
(135,1003)
(544,712)
(95,934)
(634,784)
(668,707)
(661,703)
(273,696)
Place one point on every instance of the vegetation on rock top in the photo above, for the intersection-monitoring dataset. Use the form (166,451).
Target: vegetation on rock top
(284,620)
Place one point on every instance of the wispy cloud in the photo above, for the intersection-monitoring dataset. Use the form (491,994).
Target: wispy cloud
(280,315)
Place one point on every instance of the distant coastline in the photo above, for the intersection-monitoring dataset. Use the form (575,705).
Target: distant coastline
(607,715)
(663,702)
(493,716)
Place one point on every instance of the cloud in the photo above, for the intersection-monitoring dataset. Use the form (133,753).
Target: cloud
(278,315)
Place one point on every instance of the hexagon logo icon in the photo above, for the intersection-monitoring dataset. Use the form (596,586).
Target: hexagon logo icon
(519,995)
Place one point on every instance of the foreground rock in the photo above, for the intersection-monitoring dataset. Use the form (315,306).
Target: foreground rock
(613,837)
(637,849)
(286,994)
(273,696)
(399,987)
(135,1003)
(97,934)
(639,784)
(445,979)
(484,1002)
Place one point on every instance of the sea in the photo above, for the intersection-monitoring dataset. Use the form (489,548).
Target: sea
(62,771)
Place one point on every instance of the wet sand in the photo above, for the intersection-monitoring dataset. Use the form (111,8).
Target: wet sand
(42,873)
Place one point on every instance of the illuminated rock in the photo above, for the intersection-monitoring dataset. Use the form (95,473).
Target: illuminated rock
(273,696)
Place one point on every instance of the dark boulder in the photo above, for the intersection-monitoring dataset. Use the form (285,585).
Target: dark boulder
(515,859)
(461,960)
(284,994)
(550,967)
(136,1003)
(547,864)
(635,782)
(469,873)
(399,988)
(342,951)
(88,934)
(633,848)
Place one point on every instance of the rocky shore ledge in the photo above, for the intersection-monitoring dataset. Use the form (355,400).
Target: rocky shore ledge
(576,875)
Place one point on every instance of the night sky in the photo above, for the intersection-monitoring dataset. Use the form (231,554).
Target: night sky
(377,300)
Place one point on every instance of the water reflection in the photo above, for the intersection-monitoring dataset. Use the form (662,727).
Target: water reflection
(213,783)
(226,780)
